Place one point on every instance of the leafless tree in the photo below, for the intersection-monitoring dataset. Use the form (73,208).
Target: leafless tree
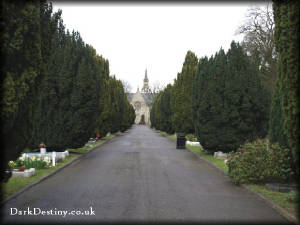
(127,87)
(258,31)
(156,87)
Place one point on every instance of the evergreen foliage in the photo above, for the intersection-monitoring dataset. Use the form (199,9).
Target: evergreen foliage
(160,115)
(165,110)
(55,88)
(172,107)
(21,70)
(276,131)
(229,103)
(181,97)
(286,17)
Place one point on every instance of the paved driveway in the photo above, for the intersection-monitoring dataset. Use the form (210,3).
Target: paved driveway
(139,176)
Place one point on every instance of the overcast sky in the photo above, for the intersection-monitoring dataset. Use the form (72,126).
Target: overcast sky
(154,36)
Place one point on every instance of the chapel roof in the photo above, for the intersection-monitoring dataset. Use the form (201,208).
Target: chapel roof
(149,97)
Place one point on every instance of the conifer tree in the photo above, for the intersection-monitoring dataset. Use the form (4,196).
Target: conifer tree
(230,104)
(165,110)
(55,88)
(286,17)
(276,129)
(181,96)
(21,51)
(160,115)
(155,112)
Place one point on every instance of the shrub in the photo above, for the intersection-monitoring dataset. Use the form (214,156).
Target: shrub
(260,162)
(191,137)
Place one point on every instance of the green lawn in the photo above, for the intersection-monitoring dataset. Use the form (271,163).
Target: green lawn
(277,197)
(219,162)
(14,184)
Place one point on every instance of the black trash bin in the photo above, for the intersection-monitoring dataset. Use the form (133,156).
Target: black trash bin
(180,141)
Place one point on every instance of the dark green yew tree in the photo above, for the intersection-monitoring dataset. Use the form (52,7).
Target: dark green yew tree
(55,89)
(181,96)
(155,113)
(229,102)
(165,110)
(160,115)
(286,18)
(276,129)
(20,72)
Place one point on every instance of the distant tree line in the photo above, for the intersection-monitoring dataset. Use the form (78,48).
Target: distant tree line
(249,92)
(55,88)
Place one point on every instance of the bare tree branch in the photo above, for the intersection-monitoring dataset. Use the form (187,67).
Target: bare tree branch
(156,87)
(127,87)
(258,31)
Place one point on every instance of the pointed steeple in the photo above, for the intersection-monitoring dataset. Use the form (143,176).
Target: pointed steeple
(145,88)
(146,77)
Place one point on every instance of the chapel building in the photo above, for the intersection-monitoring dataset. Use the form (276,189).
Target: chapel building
(142,101)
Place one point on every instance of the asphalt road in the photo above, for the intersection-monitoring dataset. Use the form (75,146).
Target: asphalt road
(139,177)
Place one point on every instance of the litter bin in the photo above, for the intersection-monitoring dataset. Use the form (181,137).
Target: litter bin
(180,141)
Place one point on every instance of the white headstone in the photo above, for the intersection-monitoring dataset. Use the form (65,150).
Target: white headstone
(53,158)
(43,150)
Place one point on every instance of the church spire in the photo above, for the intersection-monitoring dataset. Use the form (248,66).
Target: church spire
(146,88)
(146,77)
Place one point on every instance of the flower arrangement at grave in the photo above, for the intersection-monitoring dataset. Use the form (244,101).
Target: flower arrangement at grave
(12,165)
(36,162)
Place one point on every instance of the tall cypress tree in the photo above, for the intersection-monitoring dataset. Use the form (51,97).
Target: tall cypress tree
(165,110)
(21,51)
(79,98)
(160,114)
(286,18)
(52,83)
(155,112)
(47,121)
(276,129)
(181,96)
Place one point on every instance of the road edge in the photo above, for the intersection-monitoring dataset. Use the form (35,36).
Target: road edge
(288,216)
(76,158)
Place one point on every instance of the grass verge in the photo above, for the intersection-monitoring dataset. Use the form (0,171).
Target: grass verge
(15,184)
(277,197)
(89,147)
(218,162)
